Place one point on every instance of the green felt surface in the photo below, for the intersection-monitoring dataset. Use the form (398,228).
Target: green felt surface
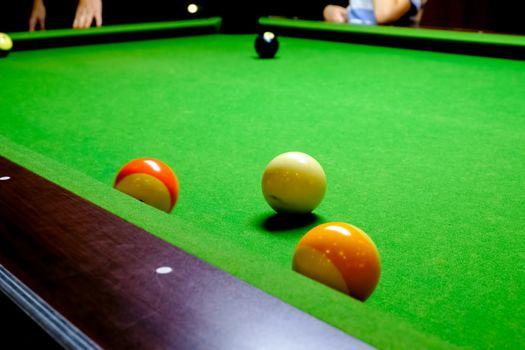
(423,151)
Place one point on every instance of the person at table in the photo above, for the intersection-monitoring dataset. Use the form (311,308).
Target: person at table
(372,12)
(87,12)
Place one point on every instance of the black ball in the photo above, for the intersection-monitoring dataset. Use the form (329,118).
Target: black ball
(266,45)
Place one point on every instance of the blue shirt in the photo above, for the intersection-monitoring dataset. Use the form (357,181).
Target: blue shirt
(362,11)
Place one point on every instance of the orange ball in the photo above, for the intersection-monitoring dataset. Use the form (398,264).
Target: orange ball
(341,256)
(150,181)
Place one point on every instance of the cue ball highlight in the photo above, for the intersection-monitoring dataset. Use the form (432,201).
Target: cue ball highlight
(294,183)
(266,45)
(340,256)
(150,181)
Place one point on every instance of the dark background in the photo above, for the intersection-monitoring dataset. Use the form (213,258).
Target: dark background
(241,16)
(479,15)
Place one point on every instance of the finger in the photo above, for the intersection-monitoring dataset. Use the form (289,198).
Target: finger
(87,20)
(79,18)
(42,23)
(345,16)
(32,24)
(78,24)
(98,19)
(338,18)
(81,22)
(76,21)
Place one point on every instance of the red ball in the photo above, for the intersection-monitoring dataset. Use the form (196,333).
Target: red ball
(150,181)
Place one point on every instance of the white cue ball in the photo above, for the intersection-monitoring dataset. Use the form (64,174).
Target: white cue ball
(294,183)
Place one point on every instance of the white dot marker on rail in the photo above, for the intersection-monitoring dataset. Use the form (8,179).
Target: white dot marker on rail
(163,270)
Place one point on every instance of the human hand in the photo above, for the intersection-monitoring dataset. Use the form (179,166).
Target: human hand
(38,16)
(87,11)
(335,14)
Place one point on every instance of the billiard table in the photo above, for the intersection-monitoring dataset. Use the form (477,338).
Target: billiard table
(421,134)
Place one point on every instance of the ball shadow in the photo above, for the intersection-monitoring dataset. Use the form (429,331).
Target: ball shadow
(265,59)
(285,222)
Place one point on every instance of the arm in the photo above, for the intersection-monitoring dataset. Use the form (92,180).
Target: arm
(87,11)
(38,16)
(387,11)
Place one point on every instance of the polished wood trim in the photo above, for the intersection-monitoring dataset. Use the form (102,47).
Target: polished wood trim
(99,272)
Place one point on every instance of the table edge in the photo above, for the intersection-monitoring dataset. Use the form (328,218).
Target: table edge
(466,43)
(54,267)
(114,33)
